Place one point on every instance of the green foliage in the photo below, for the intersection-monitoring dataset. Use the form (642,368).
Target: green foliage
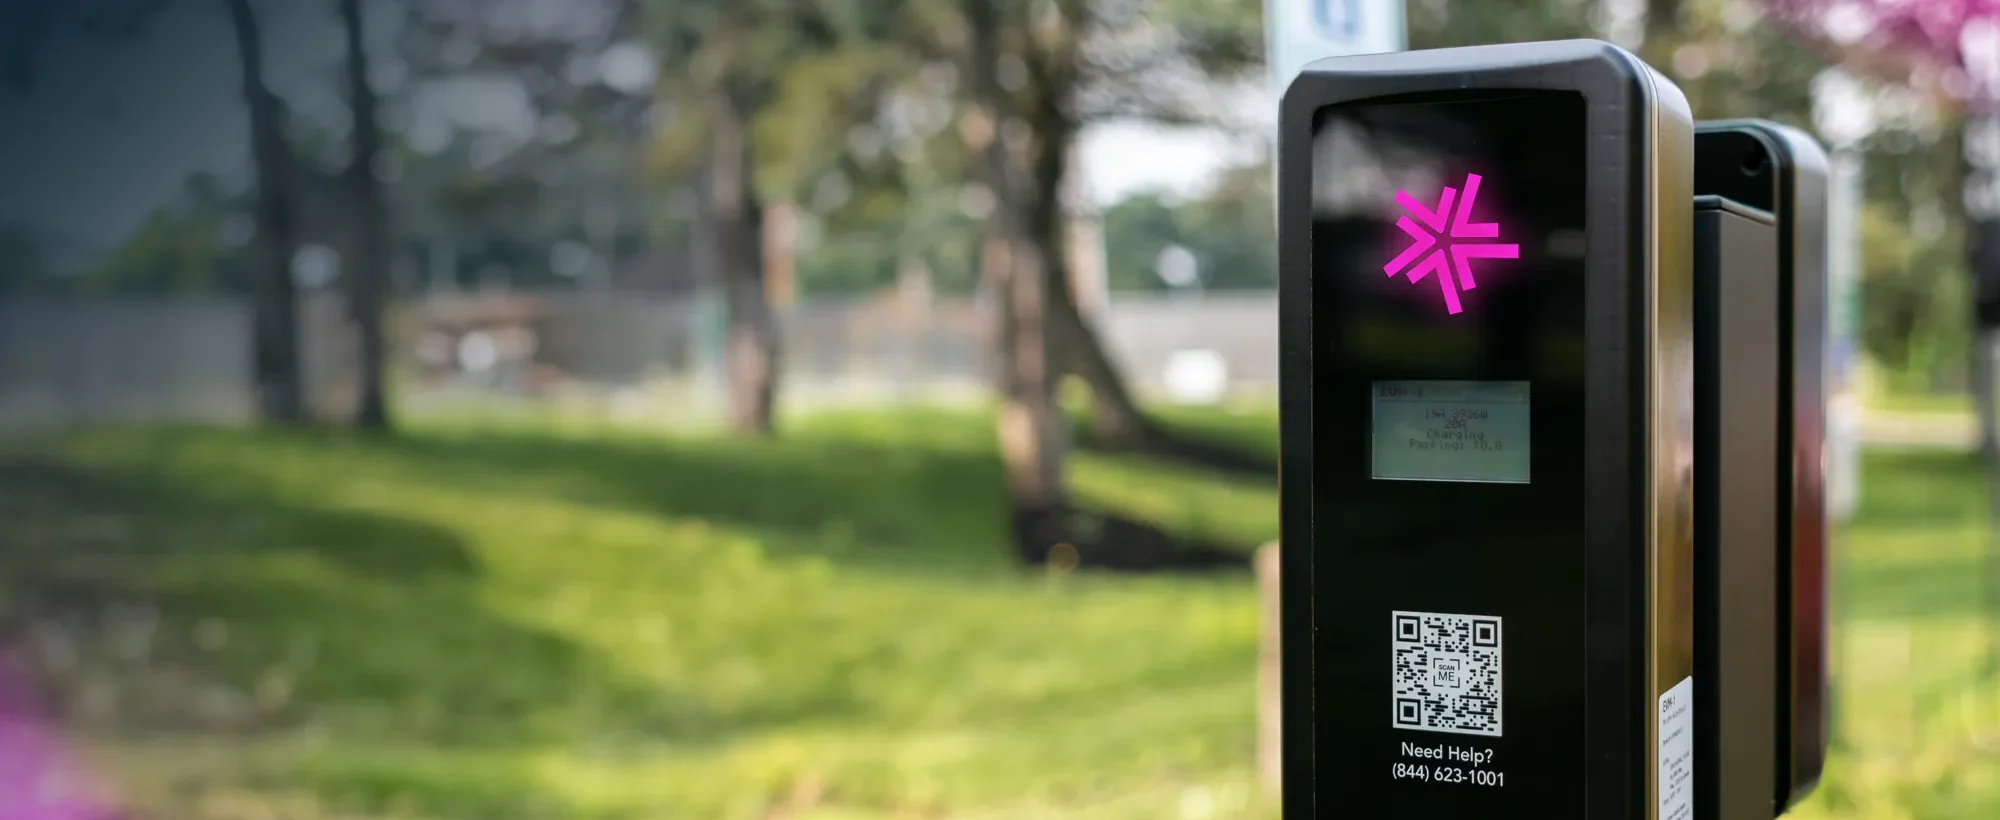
(1915,306)
(802,73)
(1218,37)
(1917,313)
(1732,63)
(170,255)
(1916,289)
(180,250)
(866,259)
(1135,231)
(1732,67)
(1232,233)
(848,262)
(1443,23)
(800,131)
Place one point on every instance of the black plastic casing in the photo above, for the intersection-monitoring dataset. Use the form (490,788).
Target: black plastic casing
(1737,509)
(1617,448)
(1782,171)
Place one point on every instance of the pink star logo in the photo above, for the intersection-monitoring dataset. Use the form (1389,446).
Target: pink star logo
(1456,263)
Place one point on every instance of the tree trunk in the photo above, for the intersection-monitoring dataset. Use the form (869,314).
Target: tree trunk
(1115,418)
(367,212)
(274,299)
(1018,270)
(1030,423)
(1116,422)
(751,348)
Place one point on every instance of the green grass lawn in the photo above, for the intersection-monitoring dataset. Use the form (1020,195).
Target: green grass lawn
(1918,707)
(1921,404)
(517,622)
(527,620)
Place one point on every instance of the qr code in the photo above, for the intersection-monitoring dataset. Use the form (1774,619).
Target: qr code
(1447,673)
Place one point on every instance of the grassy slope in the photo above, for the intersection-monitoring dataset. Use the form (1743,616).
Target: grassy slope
(499,624)
(510,623)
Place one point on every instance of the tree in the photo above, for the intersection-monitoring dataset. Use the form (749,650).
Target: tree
(1136,230)
(1020,266)
(752,350)
(588,82)
(1038,73)
(757,86)
(729,51)
(1231,231)
(1946,51)
(1443,25)
(1063,65)
(732,55)
(368,223)
(275,347)
(179,250)
(1952,46)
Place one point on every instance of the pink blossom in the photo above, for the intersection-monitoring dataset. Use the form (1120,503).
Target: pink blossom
(38,781)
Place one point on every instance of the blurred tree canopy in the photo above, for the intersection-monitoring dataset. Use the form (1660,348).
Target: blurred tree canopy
(1770,59)
(857,112)
(755,87)
(1231,230)
(1902,80)
(181,250)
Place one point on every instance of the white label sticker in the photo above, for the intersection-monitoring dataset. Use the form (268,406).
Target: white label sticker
(1677,752)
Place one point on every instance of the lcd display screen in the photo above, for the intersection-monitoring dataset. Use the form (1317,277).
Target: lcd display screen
(1451,431)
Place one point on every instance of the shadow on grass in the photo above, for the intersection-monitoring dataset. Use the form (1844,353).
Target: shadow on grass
(853,502)
(376,623)
(148,606)
(1243,447)
(228,513)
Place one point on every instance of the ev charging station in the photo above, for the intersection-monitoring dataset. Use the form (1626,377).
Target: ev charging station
(1551,440)
(1761,320)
